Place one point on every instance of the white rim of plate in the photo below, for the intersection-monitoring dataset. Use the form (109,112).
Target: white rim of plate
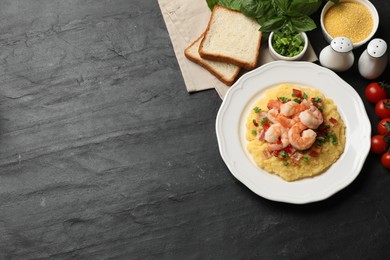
(230,130)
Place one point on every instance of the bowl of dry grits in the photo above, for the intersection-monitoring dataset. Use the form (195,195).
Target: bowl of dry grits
(357,20)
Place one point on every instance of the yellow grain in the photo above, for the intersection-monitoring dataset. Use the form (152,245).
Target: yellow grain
(349,19)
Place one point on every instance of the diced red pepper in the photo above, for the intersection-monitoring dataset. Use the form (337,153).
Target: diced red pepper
(297,93)
(266,126)
(288,149)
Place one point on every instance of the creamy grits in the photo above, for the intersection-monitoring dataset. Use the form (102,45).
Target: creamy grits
(279,146)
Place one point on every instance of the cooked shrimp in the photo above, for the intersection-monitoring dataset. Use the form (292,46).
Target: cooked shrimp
(272,115)
(286,121)
(274,104)
(275,117)
(304,105)
(277,136)
(290,108)
(312,117)
(300,137)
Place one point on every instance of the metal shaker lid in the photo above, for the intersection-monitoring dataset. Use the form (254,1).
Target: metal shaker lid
(341,44)
(377,48)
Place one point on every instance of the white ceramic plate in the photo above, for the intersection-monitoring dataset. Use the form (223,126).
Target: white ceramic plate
(240,99)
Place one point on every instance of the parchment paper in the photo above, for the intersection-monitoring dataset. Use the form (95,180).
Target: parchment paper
(186,20)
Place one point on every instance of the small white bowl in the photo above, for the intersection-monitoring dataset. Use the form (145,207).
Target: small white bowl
(371,8)
(277,56)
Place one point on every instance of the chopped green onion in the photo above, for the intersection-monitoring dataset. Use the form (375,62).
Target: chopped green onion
(284,99)
(334,138)
(287,44)
(316,100)
(257,109)
(284,154)
(298,100)
(263,121)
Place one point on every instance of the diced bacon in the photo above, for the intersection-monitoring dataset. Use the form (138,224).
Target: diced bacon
(322,130)
(315,150)
(293,150)
(262,135)
(267,154)
(333,120)
(296,157)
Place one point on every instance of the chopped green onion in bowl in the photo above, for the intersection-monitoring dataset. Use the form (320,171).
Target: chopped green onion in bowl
(288,45)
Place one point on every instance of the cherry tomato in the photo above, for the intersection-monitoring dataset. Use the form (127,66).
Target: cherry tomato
(382,108)
(384,126)
(385,160)
(375,92)
(378,144)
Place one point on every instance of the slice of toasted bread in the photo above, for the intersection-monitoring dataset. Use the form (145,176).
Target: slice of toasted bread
(225,72)
(231,37)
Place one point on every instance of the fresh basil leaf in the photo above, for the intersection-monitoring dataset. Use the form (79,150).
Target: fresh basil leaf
(231,4)
(261,10)
(211,3)
(273,24)
(282,5)
(252,8)
(302,23)
(307,7)
(288,28)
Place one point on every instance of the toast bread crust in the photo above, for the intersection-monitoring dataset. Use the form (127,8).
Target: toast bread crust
(220,57)
(226,80)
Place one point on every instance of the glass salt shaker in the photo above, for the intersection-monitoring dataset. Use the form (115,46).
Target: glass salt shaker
(373,60)
(338,56)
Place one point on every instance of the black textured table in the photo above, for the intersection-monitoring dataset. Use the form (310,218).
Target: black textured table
(103,153)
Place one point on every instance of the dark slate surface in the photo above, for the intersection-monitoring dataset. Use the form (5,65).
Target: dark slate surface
(103,153)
